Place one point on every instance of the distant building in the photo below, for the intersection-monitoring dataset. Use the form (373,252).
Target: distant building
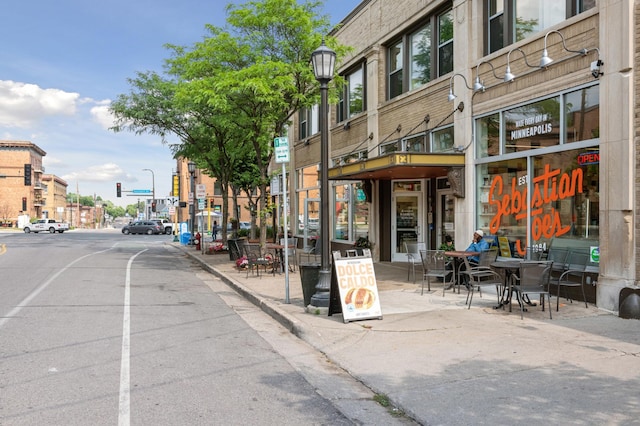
(20,194)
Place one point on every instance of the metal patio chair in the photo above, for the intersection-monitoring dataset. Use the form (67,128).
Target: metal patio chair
(533,279)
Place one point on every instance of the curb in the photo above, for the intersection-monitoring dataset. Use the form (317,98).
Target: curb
(266,305)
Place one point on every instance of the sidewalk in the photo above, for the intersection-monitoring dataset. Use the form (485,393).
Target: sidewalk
(445,364)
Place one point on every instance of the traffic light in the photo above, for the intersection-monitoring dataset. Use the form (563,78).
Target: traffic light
(24,204)
(211,203)
(153,206)
(118,190)
(27,175)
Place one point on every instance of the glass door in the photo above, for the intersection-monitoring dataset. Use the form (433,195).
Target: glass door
(407,211)
(311,222)
(446,217)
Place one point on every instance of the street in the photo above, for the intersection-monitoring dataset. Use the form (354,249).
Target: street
(103,328)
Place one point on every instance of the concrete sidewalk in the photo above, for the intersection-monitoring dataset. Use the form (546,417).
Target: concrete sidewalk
(445,364)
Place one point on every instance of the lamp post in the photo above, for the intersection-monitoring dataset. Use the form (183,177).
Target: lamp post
(192,207)
(153,189)
(323,60)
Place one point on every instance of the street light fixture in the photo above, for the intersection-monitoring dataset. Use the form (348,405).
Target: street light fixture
(323,60)
(153,188)
(191,166)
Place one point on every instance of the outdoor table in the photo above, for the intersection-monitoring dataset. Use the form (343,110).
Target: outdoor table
(458,256)
(278,251)
(508,267)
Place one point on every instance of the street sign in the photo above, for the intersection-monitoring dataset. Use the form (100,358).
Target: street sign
(200,203)
(201,190)
(281,146)
(141,191)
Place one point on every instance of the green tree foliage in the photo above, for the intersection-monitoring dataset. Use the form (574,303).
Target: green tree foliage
(228,96)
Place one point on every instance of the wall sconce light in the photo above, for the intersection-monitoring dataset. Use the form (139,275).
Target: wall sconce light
(508,75)
(452,96)
(478,85)
(546,60)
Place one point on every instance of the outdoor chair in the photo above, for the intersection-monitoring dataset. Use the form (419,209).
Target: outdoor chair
(412,248)
(256,259)
(434,265)
(291,252)
(533,279)
(559,257)
(481,276)
(573,276)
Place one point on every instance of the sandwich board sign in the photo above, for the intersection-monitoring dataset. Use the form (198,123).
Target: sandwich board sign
(354,284)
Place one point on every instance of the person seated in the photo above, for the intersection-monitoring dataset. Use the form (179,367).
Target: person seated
(478,244)
(448,244)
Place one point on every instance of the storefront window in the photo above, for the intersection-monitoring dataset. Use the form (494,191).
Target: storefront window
(351,219)
(531,126)
(550,190)
(308,193)
(442,140)
(582,113)
(488,136)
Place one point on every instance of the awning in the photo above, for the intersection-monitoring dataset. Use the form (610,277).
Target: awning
(399,165)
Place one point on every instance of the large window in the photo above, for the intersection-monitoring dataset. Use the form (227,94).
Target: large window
(307,122)
(351,219)
(352,99)
(542,181)
(509,21)
(538,124)
(410,58)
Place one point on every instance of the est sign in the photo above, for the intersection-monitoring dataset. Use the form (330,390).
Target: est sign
(281,146)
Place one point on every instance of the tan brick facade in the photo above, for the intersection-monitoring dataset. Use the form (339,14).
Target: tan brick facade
(611,26)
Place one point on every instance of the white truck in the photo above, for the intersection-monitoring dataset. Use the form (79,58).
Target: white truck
(44,225)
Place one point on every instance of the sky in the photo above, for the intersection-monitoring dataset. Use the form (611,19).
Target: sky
(63,62)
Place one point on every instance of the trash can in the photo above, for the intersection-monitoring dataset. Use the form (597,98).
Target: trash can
(185,237)
(234,249)
(309,276)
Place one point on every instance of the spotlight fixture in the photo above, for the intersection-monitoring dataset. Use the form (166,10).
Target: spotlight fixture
(478,86)
(452,96)
(545,60)
(508,75)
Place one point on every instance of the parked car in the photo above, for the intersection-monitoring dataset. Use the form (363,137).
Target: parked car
(148,227)
(241,225)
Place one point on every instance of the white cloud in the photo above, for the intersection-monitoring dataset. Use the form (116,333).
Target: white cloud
(102,115)
(99,173)
(22,104)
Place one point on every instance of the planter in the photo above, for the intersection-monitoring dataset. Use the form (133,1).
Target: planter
(309,276)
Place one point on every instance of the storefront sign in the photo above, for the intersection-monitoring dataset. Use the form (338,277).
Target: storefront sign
(358,289)
(531,126)
(586,158)
(548,188)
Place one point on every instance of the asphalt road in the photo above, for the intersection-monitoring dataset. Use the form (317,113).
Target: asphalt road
(101,328)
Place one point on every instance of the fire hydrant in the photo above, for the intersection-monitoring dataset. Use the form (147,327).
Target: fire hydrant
(198,238)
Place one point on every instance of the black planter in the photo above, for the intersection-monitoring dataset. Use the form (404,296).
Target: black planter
(309,276)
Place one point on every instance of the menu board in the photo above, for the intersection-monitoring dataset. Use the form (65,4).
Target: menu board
(355,280)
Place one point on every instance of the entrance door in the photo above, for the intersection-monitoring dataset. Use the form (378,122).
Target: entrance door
(407,210)
(311,222)
(446,217)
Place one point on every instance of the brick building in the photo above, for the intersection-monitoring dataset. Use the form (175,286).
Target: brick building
(20,194)
(517,118)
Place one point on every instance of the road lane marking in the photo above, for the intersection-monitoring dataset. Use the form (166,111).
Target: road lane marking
(3,249)
(24,302)
(124,408)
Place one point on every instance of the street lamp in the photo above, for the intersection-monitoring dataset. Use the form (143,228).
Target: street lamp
(191,166)
(323,60)
(153,188)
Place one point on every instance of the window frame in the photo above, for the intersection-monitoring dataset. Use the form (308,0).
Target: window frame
(345,101)
(508,28)
(399,79)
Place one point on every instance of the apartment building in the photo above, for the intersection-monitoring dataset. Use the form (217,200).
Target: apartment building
(514,117)
(21,185)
